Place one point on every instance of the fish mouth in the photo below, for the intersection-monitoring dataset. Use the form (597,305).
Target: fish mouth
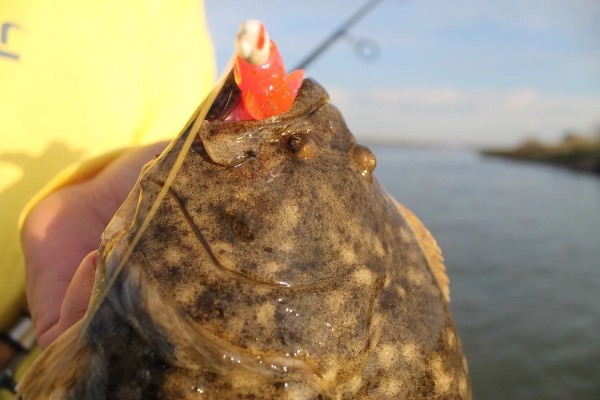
(225,101)
(309,96)
(223,141)
(200,150)
(239,158)
(229,143)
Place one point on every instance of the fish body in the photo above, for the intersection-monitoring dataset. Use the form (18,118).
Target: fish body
(275,267)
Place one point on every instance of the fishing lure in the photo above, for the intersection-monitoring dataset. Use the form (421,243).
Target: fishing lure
(260,75)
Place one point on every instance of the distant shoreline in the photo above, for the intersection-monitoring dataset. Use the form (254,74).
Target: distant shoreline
(577,153)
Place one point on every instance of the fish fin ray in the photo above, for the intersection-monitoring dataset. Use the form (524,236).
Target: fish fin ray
(430,248)
(58,368)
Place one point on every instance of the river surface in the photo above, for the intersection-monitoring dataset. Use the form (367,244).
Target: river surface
(522,246)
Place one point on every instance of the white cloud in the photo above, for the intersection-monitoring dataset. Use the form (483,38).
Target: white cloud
(455,116)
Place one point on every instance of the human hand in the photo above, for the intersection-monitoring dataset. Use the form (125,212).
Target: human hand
(61,236)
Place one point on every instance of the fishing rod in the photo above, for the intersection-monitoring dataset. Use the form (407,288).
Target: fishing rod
(338,33)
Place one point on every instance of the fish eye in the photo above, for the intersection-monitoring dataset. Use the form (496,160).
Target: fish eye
(294,143)
(250,154)
(300,144)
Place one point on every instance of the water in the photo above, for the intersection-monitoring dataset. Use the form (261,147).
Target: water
(522,246)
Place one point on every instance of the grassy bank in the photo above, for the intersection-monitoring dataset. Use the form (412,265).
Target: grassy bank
(575,152)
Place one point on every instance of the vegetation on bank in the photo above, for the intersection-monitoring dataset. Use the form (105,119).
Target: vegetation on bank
(575,151)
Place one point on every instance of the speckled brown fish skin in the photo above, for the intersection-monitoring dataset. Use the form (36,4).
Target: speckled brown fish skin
(276,267)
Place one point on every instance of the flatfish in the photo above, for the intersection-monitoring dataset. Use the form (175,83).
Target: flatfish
(262,259)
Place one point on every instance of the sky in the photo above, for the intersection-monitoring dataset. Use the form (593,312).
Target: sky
(449,72)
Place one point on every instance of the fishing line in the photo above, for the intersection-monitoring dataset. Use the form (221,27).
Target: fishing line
(195,121)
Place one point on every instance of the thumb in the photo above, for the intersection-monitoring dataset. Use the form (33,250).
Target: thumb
(76,300)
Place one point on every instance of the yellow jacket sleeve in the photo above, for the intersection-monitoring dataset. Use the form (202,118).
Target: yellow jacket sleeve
(79,79)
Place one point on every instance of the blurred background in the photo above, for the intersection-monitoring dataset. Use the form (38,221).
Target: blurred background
(428,85)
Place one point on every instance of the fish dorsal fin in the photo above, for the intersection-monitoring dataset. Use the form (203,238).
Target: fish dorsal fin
(57,368)
(431,250)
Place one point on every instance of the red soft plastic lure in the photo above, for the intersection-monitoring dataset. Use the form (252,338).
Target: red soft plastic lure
(260,74)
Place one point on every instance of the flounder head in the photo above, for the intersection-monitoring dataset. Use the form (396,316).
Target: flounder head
(281,201)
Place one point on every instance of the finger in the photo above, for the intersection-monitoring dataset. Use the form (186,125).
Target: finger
(65,226)
(57,235)
(76,299)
